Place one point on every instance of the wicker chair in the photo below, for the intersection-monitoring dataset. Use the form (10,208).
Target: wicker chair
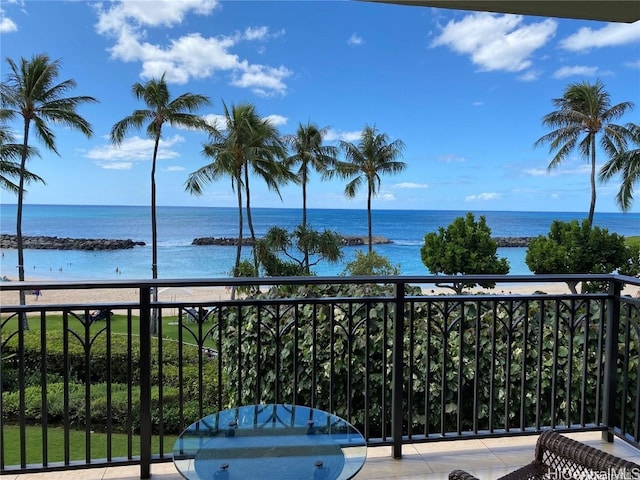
(559,457)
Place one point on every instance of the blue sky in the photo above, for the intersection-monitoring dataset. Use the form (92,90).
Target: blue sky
(465,91)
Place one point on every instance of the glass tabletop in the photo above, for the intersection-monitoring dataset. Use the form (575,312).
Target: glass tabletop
(276,441)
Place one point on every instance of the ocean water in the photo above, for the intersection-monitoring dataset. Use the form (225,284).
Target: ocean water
(178,226)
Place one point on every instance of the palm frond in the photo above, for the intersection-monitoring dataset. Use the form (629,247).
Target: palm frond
(626,163)
(32,92)
(584,114)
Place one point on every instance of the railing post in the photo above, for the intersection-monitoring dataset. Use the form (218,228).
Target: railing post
(145,382)
(610,355)
(397,372)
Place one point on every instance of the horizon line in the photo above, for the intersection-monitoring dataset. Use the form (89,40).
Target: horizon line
(319,208)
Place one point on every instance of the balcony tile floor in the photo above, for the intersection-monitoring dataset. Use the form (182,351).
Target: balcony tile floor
(487,459)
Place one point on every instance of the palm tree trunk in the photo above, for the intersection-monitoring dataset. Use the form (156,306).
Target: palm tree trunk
(154,236)
(236,267)
(305,261)
(592,206)
(369,220)
(154,226)
(250,219)
(304,198)
(23,166)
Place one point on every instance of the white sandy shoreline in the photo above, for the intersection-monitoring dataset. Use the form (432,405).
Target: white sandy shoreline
(206,294)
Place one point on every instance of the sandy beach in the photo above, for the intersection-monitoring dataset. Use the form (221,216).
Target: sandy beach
(205,294)
(113,295)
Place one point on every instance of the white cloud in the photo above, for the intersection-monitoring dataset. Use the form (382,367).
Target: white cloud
(174,168)
(355,40)
(483,196)
(216,120)
(634,64)
(276,120)
(387,196)
(134,149)
(529,76)
(536,172)
(7,25)
(333,135)
(257,33)
(116,165)
(190,56)
(164,12)
(409,185)
(263,81)
(451,158)
(220,121)
(577,70)
(561,170)
(612,34)
(496,42)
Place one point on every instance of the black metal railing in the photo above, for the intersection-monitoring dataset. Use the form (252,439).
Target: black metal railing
(114,383)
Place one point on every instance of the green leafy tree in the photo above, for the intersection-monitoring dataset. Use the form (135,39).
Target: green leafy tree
(572,247)
(464,247)
(247,144)
(370,264)
(632,266)
(583,113)
(627,163)
(278,251)
(309,153)
(246,268)
(161,109)
(31,93)
(366,161)
(10,154)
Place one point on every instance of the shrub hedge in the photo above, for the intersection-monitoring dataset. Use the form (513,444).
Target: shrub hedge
(104,369)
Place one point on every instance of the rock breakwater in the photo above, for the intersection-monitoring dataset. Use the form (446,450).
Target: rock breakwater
(220,241)
(352,240)
(513,241)
(347,240)
(57,243)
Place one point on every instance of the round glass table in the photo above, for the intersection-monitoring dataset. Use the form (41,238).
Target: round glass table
(276,441)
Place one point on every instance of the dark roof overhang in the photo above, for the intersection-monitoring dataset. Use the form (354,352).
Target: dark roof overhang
(627,11)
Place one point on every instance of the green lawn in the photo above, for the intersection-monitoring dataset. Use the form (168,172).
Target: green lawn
(632,240)
(77,442)
(77,445)
(118,326)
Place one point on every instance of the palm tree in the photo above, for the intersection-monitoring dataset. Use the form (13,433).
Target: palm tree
(265,159)
(10,154)
(309,153)
(585,109)
(626,162)
(161,110)
(247,144)
(366,161)
(30,92)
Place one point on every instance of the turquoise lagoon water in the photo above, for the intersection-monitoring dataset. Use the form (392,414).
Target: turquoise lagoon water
(178,226)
